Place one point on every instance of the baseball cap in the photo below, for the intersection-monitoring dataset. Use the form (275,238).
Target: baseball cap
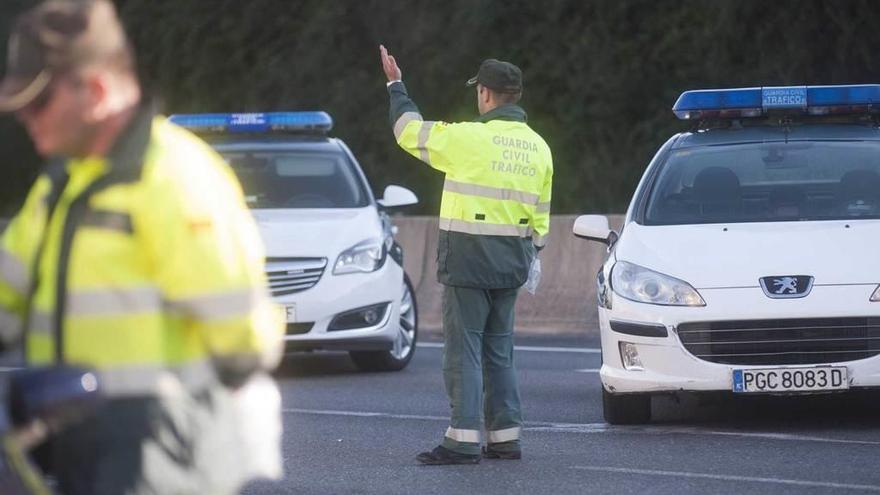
(53,38)
(498,75)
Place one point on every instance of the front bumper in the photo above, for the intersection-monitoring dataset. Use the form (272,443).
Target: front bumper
(336,294)
(669,367)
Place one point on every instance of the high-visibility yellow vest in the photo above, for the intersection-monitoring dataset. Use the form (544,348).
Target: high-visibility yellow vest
(496,197)
(147,266)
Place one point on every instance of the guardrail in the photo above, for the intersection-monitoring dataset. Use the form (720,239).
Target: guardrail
(565,301)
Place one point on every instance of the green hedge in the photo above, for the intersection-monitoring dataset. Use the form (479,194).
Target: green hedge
(600,76)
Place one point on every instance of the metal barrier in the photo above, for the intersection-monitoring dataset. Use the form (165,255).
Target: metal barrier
(565,301)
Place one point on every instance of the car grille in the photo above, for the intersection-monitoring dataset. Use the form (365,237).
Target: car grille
(794,341)
(291,275)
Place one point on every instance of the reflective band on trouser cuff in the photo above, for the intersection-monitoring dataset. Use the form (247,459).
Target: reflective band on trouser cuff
(543,208)
(113,301)
(404,119)
(466,436)
(156,380)
(422,143)
(539,240)
(219,306)
(13,272)
(10,326)
(506,435)
(479,228)
(490,192)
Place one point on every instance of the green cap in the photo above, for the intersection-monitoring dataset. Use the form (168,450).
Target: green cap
(54,37)
(498,75)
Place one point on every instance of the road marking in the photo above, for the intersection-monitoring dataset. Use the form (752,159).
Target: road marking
(551,427)
(365,414)
(527,348)
(727,477)
(692,430)
(6,369)
(587,370)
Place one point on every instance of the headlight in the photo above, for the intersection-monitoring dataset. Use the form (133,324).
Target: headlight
(639,284)
(876,295)
(364,257)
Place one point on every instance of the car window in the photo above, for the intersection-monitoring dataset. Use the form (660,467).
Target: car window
(291,179)
(767,182)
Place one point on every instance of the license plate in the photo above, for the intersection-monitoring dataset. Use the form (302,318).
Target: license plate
(288,312)
(807,379)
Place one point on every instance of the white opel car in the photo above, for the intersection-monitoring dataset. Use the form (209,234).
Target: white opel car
(748,260)
(332,261)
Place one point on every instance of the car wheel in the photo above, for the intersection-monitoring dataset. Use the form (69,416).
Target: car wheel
(404,343)
(626,409)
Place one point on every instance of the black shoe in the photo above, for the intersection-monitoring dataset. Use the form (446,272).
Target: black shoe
(442,456)
(490,453)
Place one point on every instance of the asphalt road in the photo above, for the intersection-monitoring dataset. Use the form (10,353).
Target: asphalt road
(353,432)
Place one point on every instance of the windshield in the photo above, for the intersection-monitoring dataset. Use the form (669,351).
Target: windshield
(293,179)
(768,182)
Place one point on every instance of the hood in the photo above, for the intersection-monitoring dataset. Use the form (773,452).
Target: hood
(738,255)
(314,233)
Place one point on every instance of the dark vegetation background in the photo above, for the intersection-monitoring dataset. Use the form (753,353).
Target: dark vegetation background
(600,75)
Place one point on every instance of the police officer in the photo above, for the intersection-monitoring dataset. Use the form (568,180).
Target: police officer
(494,216)
(134,255)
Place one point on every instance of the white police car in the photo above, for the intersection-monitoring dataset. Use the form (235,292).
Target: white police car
(748,258)
(332,261)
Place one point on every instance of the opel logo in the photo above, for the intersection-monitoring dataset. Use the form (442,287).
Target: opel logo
(787,286)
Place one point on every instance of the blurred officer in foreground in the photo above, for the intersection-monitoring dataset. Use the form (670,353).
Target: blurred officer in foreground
(494,216)
(134,255)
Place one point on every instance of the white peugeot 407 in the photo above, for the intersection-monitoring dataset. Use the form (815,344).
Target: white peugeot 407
(332,261)
(748,258)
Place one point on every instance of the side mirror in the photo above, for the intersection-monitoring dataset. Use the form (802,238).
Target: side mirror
(594,228)
(397,196)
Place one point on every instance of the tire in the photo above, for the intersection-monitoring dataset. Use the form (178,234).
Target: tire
(629,409)
(404,344)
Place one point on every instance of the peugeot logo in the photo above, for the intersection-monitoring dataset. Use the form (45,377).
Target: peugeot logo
(787,286)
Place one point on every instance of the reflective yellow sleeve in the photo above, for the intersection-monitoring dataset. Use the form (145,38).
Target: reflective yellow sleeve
(17,247)
(542,211)
(209,258)
(426,140)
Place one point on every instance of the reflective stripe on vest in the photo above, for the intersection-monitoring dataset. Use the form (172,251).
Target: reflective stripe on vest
(499,193)
(148,299)
(163,380)
(40,322)
(144,299)
(543,207)
(422,142)
(214,307)
(10,326)
(404,119)
(13,272)
(480,228)
(466,436)
(505,435)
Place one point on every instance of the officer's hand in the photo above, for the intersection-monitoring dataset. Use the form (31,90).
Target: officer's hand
(389,65)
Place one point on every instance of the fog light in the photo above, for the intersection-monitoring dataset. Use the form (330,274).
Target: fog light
(629,355)
(371,316)
(359,318)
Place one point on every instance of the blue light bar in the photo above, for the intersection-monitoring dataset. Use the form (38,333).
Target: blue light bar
(256,123)
(756,102)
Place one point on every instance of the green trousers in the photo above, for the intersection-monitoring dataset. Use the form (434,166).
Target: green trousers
(478,368)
